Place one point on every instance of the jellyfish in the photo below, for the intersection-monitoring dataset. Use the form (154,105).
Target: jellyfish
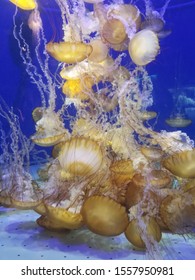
(69,52)
(142,233)
(81,156)
(178,121)
(35,22)
(177,212)
(181,164)
(49,129)
(25,4)
(154,20)
(144,47)
(104,216)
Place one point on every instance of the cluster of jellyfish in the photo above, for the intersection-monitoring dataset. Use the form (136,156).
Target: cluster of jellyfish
(109,170)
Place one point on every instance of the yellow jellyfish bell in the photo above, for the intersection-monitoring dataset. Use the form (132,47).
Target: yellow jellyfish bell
(25,4)
(69,52)
(144,47)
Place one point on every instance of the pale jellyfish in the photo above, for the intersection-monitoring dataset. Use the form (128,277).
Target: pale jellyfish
(144,47)
(35,22)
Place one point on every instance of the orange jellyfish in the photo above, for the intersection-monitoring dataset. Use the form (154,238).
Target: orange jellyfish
(143,232)
(25,4)
(144,47)
(104,216)
(181,164)
(64,218)
(178,212)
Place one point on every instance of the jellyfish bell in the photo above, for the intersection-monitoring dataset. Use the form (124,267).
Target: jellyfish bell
(147,115)
(69,52)
(143,232)
(114,32)
(155,24)
(81,156)
(37,113)
(104,216)
(181,164)
(128,14)
(121,171)
(78,88)
(25,4)
(144,47)
(152,153)
(49,130)
(45,222)
(178,212)
(99,52)
(178,121)
(66,219)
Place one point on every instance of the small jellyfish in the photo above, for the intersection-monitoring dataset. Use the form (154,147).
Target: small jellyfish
(147,115)
(25,4)
(35,22)
(78,88)
(37,113)
(144,47)
(178,121)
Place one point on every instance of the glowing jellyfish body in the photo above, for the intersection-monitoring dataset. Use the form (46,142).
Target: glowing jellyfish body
(144,47)
(25,4)
(78,88)
(104,216)
(69,52)
(178,121)
(81,156)
(181,164)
